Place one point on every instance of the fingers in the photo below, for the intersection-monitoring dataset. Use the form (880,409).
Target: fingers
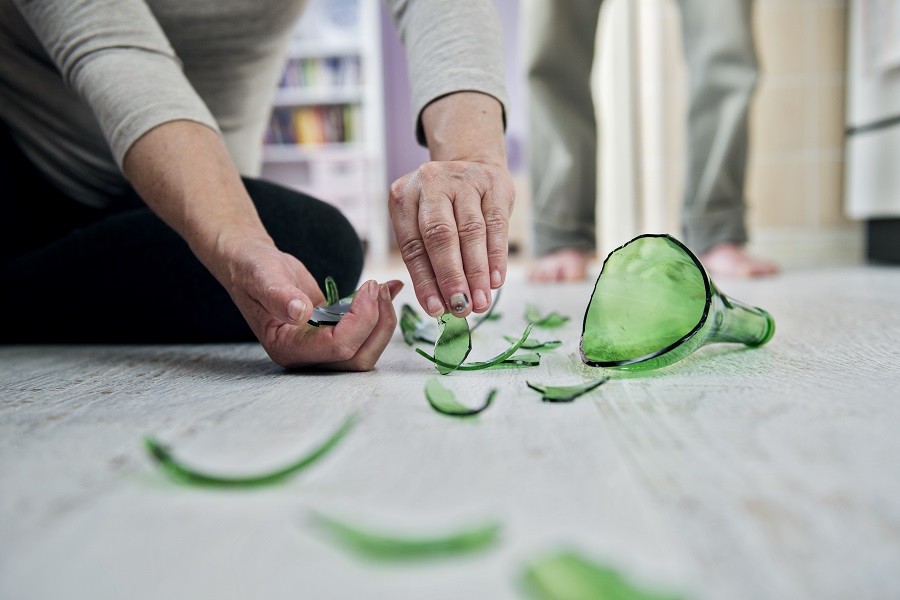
(394,287)
(405,200)
(356,342)
(438,227)
(497,208)
(288,303)
(452,226)
(354,328)
(473,247)
(277,294)
(379,337)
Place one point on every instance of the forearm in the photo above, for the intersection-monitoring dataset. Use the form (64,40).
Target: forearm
(183,171)
(465,126)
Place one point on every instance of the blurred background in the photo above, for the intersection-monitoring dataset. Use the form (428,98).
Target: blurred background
(824,167)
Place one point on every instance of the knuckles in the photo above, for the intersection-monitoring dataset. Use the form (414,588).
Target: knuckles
(439,234)
(412,250)
(472,227)
(398,192)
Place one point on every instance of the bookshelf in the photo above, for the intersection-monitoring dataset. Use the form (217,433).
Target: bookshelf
(326,131)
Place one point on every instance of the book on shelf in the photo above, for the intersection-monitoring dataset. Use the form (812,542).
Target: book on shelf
(326,72)
(313,125)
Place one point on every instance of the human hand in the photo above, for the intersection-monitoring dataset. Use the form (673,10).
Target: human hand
(451,219)
(451,215)
(276,294)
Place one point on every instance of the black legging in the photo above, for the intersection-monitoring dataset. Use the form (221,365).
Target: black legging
(74,274)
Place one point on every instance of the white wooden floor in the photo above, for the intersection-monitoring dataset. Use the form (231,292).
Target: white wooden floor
(760,474)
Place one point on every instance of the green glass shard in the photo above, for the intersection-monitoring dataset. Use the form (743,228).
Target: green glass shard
(336,307)
(653,304)
(331,291)
(548,321)
(565,393)
(519,361)
(536,344)
(453,343)
(386,546)
(189,475)
(476,366)
(569,576)
(415,328)
(442,400)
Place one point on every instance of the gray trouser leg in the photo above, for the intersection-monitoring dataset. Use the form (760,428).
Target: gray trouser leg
(721,60)
(558,47)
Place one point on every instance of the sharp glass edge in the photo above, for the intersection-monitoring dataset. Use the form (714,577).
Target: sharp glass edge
(329,315)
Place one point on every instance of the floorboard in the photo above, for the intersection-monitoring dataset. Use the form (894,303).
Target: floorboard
(736,473)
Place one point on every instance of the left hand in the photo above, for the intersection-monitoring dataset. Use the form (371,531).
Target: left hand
(451,215)
(451,219)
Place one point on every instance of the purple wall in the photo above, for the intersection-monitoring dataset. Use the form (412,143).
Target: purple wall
(403,153)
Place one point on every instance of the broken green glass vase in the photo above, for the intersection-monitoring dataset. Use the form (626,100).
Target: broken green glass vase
(654,304)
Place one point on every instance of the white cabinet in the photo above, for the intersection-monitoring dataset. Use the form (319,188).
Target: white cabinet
(326,134)
(873,111)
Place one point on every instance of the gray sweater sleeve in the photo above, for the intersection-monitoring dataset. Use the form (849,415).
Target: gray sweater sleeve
(450,47)
(115,56)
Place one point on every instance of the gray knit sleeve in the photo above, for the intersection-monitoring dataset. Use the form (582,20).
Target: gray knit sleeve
(450,47)
(115,56)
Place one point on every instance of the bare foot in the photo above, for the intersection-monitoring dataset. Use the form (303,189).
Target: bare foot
(566,264)
(730,260)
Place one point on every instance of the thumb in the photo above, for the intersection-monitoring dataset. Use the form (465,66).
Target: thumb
(287,303)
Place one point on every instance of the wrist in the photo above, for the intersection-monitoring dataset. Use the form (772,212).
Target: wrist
(466,126)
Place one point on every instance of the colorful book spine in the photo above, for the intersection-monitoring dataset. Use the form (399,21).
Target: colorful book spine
(313,125)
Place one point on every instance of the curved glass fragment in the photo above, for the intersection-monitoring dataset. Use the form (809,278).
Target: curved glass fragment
(391,546)
(182,473)
(536,344)
(453,343)
(477,366)
(331,291)
(519,361)
(653,304)
(565,393)
(336,307)
(444,401)
(549,321)
(415,328)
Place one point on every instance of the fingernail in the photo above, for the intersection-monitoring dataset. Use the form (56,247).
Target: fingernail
(496,279)
(373,289)
(435,306)
(480,299)
(459,302)
(385,292)
(296,308)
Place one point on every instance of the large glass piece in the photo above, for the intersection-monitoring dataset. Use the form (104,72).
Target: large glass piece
(453,343)
(653,304)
